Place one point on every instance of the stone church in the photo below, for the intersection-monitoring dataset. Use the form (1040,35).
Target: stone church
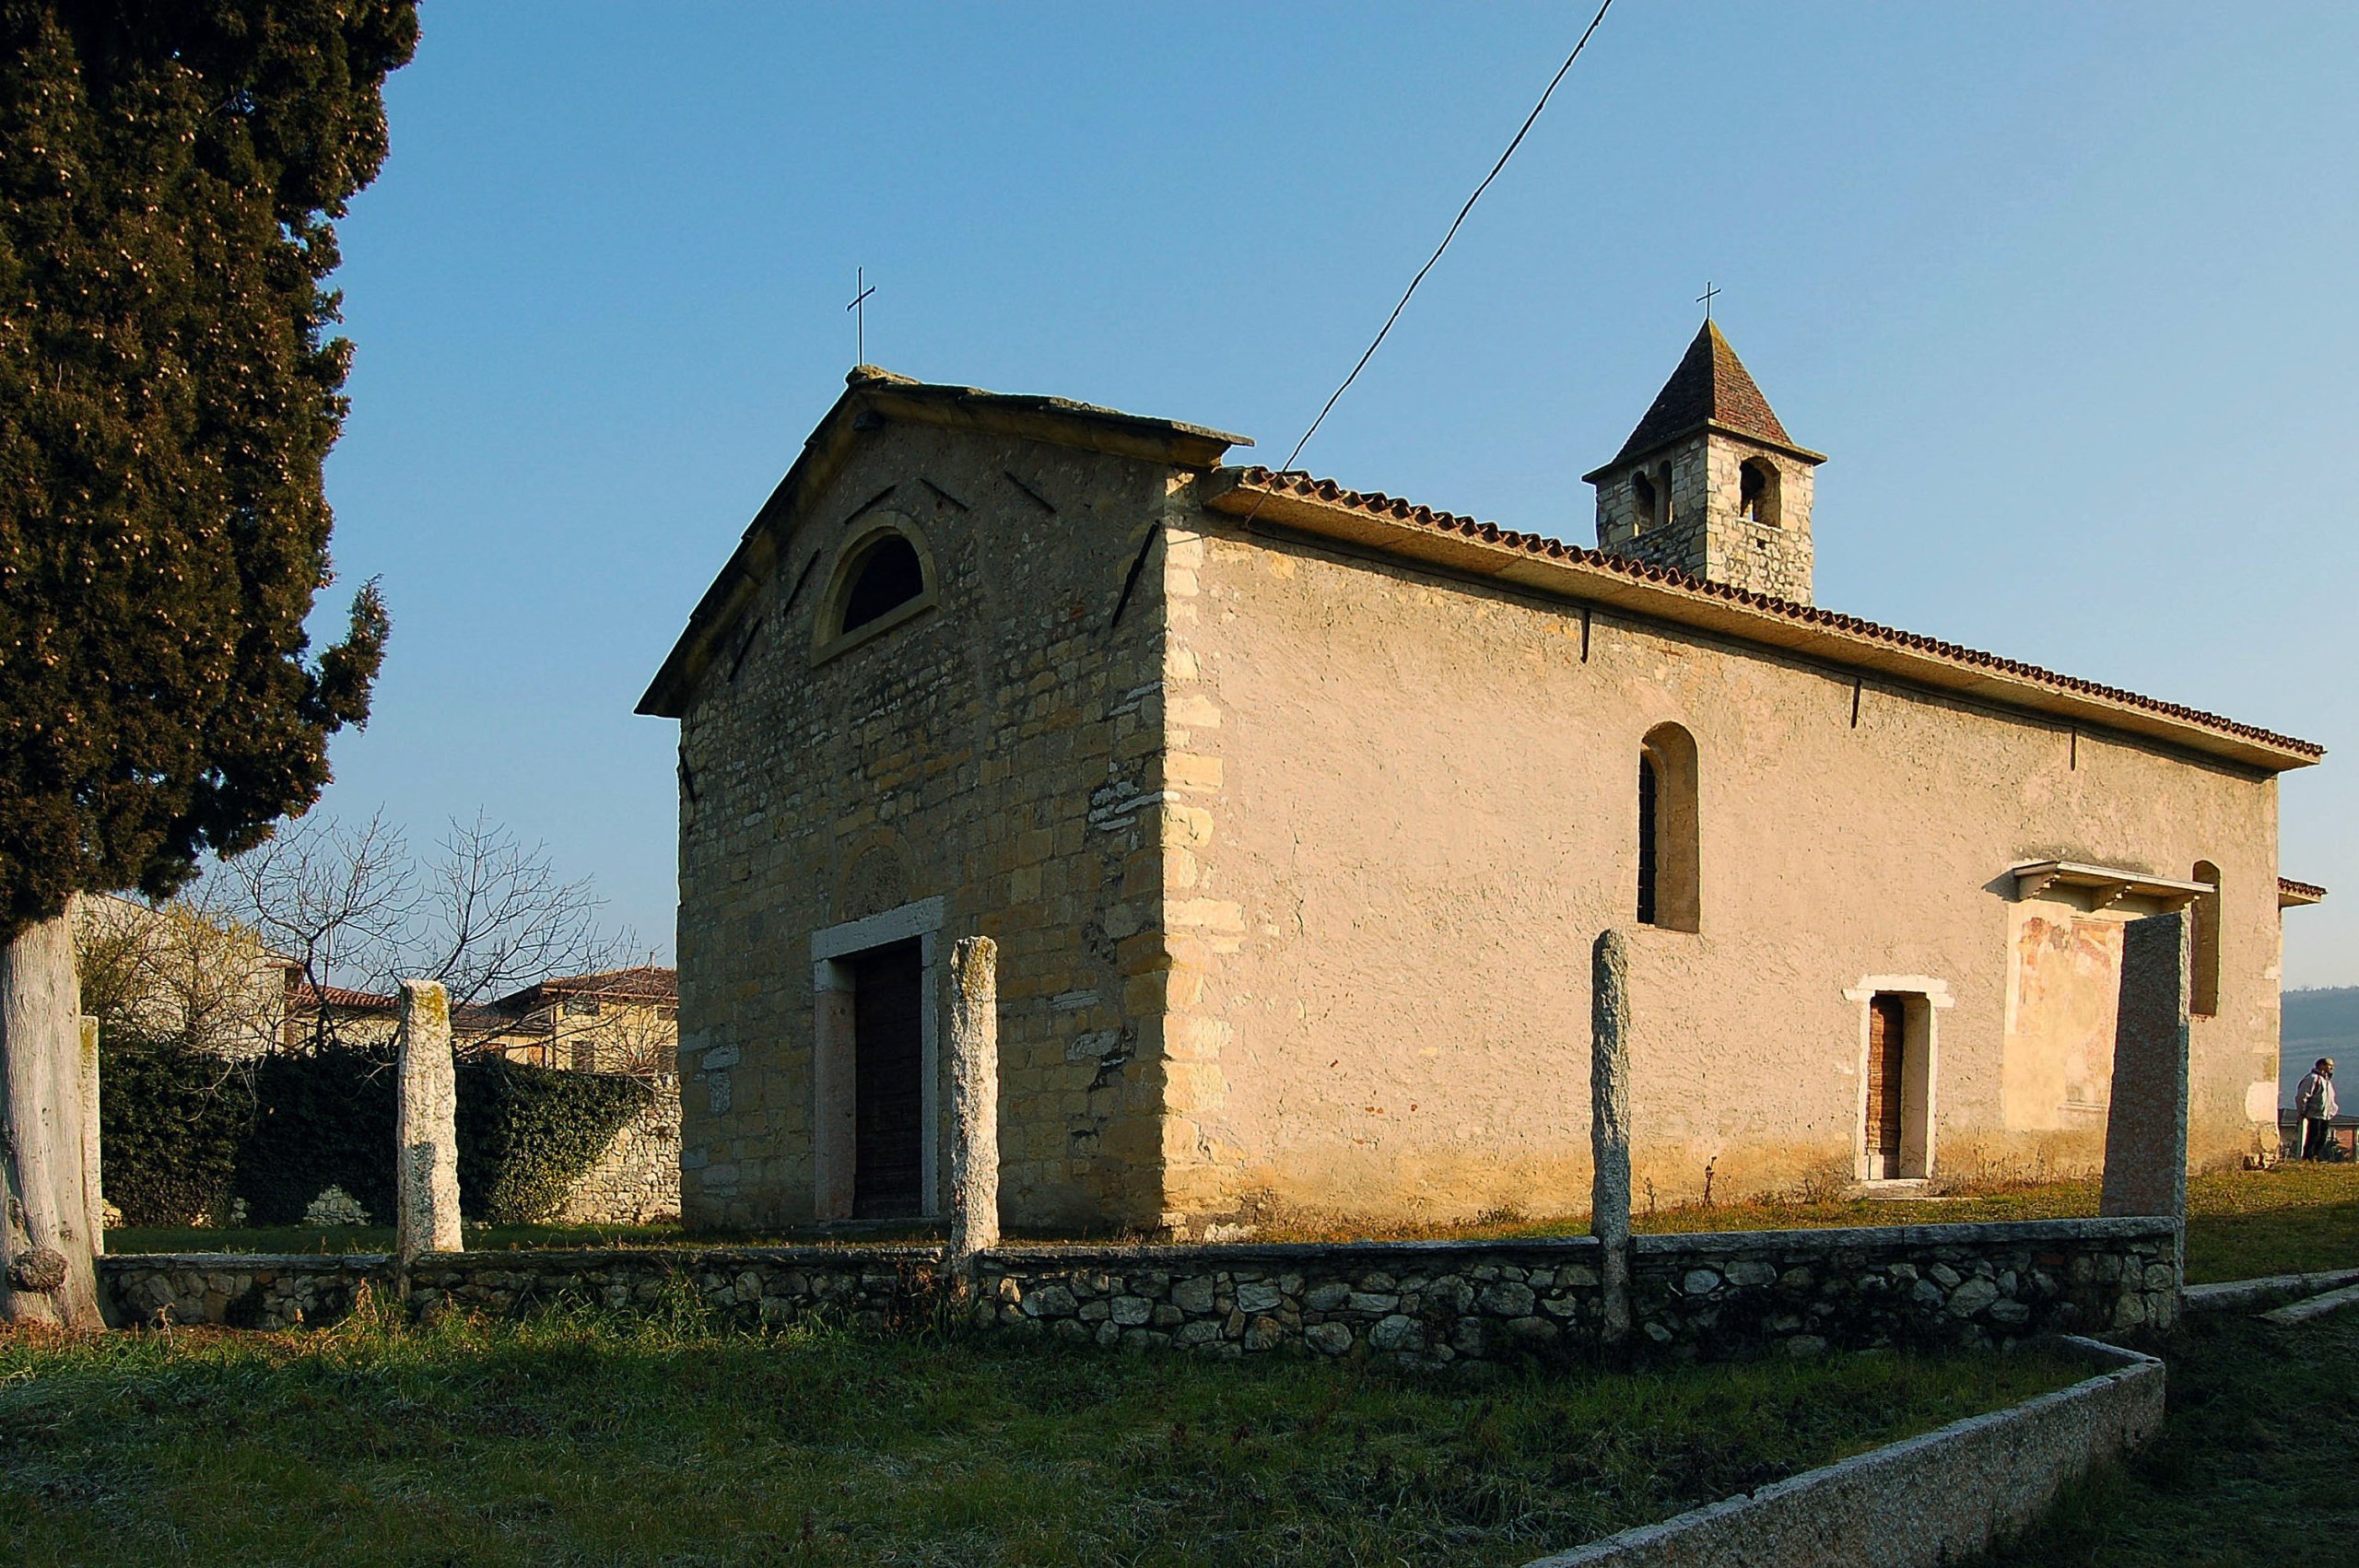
(1294,810)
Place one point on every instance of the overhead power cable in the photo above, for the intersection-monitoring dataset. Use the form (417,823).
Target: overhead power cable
(1386,330)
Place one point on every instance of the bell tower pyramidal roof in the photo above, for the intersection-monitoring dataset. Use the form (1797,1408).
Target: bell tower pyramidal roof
(1711,387)
(1709,484)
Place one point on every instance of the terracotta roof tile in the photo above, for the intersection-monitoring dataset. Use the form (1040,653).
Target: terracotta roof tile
(310,997)
(642,982)
(2309,892)
(1377,504)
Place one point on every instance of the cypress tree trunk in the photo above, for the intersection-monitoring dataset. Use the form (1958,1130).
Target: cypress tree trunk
(47,1235)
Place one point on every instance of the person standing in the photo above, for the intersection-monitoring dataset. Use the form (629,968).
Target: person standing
(2314,1103)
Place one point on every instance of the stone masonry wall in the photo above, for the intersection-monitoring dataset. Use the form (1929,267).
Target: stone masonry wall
(1705,534)
(1743,1292)
(998,751)
(1417,808)
(1420,1303)
(637,1180)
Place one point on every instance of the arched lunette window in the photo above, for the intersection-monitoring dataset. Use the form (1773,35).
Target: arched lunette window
(887,576)
(2205,1000)
(882,577)
(1670,893)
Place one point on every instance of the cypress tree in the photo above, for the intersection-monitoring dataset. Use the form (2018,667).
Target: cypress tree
(171,171)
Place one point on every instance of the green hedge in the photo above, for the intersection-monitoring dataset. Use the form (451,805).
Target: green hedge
(322,1119)
(171,1124)
(182,1132)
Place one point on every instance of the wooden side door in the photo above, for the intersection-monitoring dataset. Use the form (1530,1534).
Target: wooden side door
(1888,1029)
(888,1091)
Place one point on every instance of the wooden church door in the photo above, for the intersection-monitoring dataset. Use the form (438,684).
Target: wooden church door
(888,1094)
(1887,1032)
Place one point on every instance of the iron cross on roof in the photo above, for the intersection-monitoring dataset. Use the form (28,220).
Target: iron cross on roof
(1705,298)
(859,309)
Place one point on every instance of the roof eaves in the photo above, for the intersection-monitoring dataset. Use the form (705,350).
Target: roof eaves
(1550,566)
(1717,427)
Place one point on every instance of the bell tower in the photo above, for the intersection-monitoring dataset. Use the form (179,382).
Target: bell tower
(1709,484)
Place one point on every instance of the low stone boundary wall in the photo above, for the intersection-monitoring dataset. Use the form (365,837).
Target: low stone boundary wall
(1423,1304)
(241,1289)
(1742,1292)
(877,1288)
(2231,1295)
(1925,1501)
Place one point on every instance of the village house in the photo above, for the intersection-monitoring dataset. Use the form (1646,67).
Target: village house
(614,1021)
(1295,810)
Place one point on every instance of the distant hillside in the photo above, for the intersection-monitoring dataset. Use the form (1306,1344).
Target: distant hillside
(2315,1023)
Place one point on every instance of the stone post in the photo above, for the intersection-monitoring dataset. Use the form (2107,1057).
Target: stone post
(2145,1127)
(1609,1129)
(93,1190)
(426,1138)
(974,1100)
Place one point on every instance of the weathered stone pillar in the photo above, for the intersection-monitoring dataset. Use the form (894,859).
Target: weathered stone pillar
(1609,1129)
(93,1190)
(974,1099)
(425,1137)
(2145,1127)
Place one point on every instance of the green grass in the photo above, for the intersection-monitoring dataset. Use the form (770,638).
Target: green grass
(583,1439)
(2254,1467)
(2240,1224)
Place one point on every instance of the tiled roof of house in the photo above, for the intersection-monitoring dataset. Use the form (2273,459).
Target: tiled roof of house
(640,982)
(1259,480)
(1711,386)
(2301,891)
(309,998)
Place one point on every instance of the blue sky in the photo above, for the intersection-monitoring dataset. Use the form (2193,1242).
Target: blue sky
(2063,290)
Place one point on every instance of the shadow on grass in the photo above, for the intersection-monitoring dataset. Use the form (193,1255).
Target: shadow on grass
(578,1436)
(2257,1465)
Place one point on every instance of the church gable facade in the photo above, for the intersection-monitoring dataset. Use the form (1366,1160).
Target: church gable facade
(1294,813)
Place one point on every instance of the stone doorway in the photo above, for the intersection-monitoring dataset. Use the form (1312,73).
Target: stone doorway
(889,1083)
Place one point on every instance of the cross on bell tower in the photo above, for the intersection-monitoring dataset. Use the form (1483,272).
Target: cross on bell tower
(1709,484)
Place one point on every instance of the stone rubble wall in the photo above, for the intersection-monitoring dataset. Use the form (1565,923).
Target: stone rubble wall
(1746,1292)
(637,1180)
(1419,1304)
(1425,1304)
(880,1289)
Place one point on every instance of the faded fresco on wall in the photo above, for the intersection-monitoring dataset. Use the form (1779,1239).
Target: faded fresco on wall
(2066,983)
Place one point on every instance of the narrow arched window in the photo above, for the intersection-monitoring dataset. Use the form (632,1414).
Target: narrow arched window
(2204,998)
(886,576)
(1648,785)
(1757,491)
(1670,891)
(1646,503)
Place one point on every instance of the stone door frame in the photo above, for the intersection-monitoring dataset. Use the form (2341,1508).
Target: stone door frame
(1923,998)
(834,1136)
